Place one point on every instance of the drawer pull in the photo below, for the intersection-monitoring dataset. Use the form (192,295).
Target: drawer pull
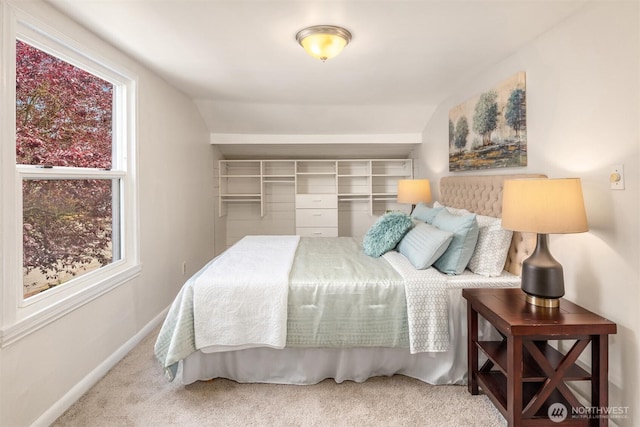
(317,201)
(317,214)
(317,232)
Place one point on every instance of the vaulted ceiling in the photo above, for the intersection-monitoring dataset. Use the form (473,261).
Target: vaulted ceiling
(239,60)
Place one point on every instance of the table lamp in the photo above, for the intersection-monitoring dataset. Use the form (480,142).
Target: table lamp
(414,191)
(543,206)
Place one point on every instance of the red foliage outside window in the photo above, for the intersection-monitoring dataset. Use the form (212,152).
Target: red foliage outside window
(63,119)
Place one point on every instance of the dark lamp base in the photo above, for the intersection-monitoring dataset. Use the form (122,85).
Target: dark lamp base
(542,276)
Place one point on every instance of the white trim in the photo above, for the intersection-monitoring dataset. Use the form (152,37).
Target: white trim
(64,403)
(19,316)
(241,138)
(62,172)
(33,28)
(9,233)
(41,318)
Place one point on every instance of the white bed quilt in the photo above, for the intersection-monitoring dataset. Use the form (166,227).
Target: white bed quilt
(247,315)
(242,301)
(427,293)
(427,305)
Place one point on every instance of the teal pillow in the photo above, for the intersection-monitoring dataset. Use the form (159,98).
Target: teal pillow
(424,213)
(465,236)
(385,234)
(424,244)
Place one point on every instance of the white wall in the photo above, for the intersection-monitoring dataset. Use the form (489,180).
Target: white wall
(176,192)
(582,117)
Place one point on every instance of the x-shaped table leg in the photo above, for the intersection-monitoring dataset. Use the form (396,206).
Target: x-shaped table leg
(554,376)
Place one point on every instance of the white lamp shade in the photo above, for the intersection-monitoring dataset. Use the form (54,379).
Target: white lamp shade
(546,206)
(414,191)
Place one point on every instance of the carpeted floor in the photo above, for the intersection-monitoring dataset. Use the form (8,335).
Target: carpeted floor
(135,393)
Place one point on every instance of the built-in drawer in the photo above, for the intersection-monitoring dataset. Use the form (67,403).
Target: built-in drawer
(311,201)
(316,217)
(317,232)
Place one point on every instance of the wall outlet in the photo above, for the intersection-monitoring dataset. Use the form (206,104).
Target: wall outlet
(616,177)
(184,267)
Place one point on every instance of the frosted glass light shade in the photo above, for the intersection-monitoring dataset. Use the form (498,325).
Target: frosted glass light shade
(547,206)
(414,191)
(323,41)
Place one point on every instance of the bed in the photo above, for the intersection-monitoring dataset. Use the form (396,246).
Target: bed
(323,309)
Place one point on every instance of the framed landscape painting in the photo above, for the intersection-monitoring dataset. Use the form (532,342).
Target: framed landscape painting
(490,130)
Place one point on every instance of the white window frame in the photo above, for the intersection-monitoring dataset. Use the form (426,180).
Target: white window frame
(22,316)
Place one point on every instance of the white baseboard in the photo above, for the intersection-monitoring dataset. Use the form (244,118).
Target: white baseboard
(58,408)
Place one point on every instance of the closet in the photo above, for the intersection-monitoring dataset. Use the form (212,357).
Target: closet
(309,197)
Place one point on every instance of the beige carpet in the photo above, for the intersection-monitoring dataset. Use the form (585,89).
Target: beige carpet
(135,393)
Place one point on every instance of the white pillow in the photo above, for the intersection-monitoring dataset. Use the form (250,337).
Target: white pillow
(492,248)
(491,251)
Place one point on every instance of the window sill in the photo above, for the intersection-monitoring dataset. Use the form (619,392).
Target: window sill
(28,325)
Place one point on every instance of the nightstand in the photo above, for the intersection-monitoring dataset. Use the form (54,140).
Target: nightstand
(524,376)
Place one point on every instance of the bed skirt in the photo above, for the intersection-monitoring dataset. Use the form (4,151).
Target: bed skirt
(304,366)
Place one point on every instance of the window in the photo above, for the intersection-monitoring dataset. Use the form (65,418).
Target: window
(69,172)
(64,122)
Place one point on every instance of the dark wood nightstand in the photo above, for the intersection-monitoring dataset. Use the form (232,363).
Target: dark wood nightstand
(524,376)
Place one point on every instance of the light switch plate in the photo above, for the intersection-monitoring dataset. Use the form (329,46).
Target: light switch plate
(616,178)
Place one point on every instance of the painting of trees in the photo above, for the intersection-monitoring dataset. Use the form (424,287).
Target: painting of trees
(63,119)
(451,130)
(485,119)
(516,113)
(494,125)
(461,133)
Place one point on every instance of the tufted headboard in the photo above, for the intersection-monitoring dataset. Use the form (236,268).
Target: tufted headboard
(482,194)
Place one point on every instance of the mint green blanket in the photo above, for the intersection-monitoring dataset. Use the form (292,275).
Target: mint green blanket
(340,297)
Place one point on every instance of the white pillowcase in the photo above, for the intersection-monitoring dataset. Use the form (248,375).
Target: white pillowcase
(492,248)
(491,251)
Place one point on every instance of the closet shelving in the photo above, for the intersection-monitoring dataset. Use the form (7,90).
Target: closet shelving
(316,207)
(240,181)
(316,176)
(354,180)
(371,181)
(278,171)
(385,175)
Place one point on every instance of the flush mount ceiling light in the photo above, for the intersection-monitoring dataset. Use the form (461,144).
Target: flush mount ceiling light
(323,41)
